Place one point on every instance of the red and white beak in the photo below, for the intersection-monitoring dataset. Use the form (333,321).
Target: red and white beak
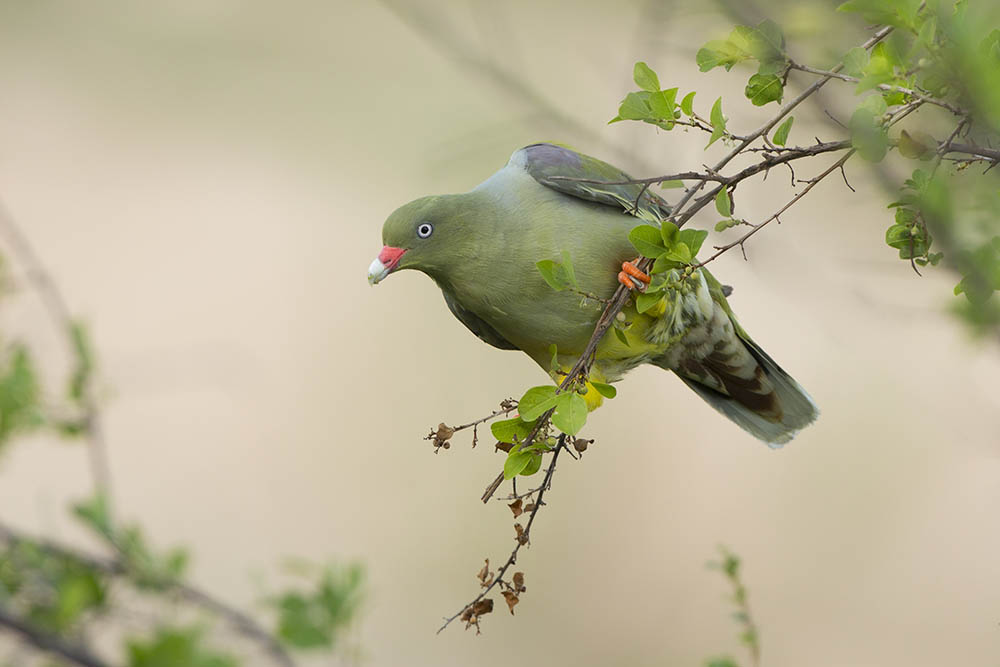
(384,264)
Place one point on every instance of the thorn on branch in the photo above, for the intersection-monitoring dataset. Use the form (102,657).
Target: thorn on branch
(834,118)
(846,182)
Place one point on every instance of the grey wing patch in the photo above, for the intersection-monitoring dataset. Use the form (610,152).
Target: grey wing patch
(585,177)
(476,325)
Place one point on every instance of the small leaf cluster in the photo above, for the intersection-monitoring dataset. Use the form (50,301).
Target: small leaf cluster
(55,592)
(146,568)
(659,107)
(908,234)
(730,568)
(314,618)
(763,44)
(674,251)
(568,415)
(20,406)
(169,646)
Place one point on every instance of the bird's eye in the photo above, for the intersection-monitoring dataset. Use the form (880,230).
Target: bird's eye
(425,229)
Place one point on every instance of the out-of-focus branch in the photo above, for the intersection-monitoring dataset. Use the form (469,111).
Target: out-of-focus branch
(450,42)
(882,86)
(38,276)
(116,567)
(75,653)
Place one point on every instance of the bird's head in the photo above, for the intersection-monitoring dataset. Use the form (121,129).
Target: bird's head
(422,235)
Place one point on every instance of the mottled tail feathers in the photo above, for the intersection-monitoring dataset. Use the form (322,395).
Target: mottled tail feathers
(757,395)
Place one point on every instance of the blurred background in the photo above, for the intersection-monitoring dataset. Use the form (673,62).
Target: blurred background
(207,179)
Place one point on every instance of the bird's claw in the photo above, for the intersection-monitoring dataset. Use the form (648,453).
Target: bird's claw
(632,278)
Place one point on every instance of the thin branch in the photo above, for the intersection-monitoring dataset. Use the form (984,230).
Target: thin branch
(523,539)
(810,184)
(882,86)
(58,311)
(50,643)
(987,153)
(466,53)
(117,568)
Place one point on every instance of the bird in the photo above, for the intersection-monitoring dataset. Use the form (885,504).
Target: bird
(550,202)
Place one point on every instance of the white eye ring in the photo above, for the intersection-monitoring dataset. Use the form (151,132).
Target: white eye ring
(425,229)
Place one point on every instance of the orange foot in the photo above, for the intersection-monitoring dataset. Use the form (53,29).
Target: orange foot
(633,278)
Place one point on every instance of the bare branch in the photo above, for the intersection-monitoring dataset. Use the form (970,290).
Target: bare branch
(882,86)
(523,538)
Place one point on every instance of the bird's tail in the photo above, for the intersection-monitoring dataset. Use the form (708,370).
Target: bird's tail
(742,382)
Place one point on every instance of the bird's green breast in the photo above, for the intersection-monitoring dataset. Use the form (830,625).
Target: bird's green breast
(521,222)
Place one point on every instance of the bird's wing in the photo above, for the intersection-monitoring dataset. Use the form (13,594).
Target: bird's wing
(585,177)
(476,325)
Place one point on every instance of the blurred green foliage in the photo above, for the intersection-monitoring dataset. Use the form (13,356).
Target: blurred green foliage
(935,64)
(56,595)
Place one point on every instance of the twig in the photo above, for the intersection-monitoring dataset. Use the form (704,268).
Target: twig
(50,643)
(523,539)
(882,86)
(58,311)
(810,184)
(117,567)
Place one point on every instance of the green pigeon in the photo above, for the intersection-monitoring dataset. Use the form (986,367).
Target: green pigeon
(481,248)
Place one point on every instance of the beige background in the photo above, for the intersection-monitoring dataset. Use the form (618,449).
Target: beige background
(207,181)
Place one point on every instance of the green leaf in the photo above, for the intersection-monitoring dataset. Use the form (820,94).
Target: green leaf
(718,122)
(84,361)
(781,134)
(897,236)
(662,265)
(680,253)
(769,42)
(720,53)
(511,430)
(516,462)
(687,104)
(622,338)
(855,61)
(645,77)
(671,185)
(605,390)
(95,514)
(662,104)
(868,136)
(722,202)
(645,301)
(873,11)
(533,465)
(313,618)
(567,265)
(668,233)
(693,238)
(879,69)
(536,401)
(571,413)
(552,273)
(20,394)
(876,104)
(764,88)
(635,106)
(918,145)
(176,646)
(647,240)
